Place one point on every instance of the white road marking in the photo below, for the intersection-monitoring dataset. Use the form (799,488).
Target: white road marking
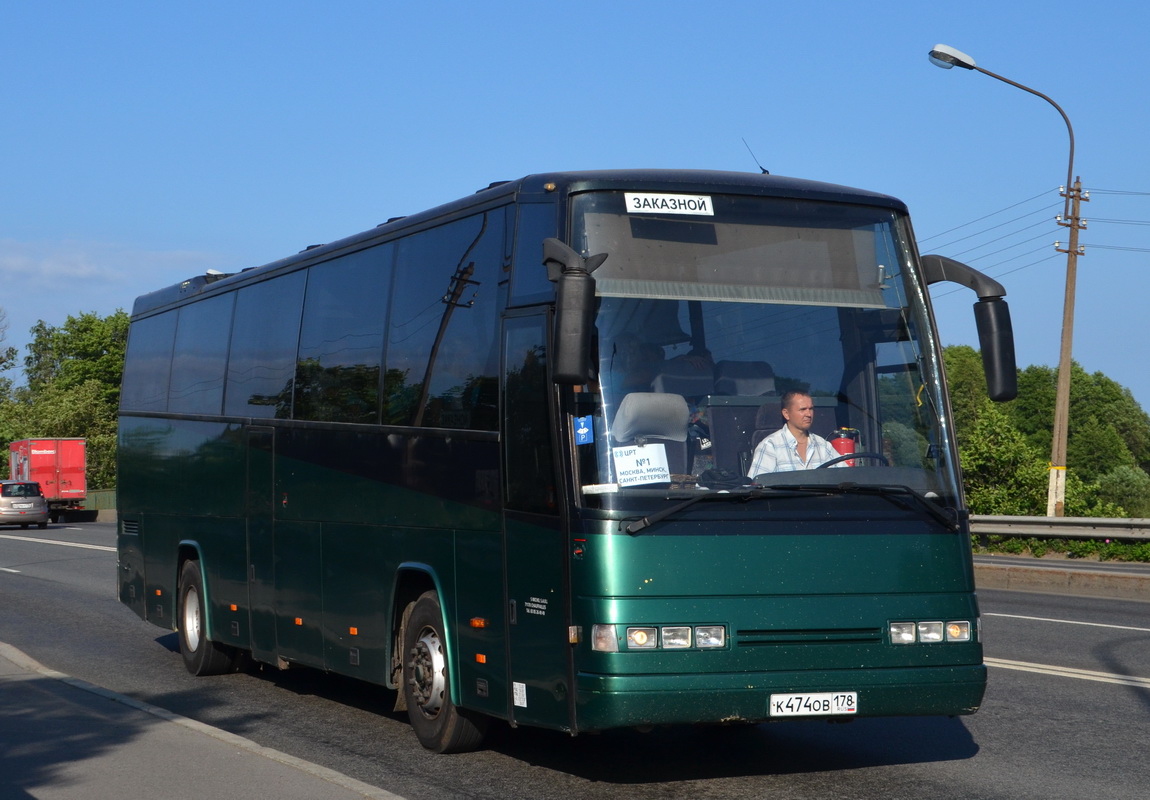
(1067,672)
(1071,622)
(62,544)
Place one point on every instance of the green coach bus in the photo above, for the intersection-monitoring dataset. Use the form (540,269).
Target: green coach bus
(496,456)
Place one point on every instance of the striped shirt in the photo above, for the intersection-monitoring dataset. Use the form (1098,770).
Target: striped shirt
(779,452)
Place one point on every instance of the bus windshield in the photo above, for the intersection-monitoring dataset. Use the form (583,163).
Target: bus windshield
(718,312)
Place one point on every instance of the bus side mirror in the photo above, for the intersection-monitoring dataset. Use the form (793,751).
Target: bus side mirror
(996,340)
(991,315)
(574,310)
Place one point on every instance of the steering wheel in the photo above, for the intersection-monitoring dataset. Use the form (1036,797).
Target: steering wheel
(849,456)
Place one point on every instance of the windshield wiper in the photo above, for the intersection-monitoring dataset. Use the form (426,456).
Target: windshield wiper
(889,492)
(754,493)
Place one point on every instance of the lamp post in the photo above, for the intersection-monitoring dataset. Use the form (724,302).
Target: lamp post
(947,58)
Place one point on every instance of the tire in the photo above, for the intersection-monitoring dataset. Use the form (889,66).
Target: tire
(438,724)
(201,656)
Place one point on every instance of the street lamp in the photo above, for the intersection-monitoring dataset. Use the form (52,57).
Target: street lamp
(947,58)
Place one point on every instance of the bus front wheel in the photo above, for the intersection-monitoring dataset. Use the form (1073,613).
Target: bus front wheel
(438,724)
(201,656)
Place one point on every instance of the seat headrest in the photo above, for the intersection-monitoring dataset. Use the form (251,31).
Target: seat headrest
(685,376)
(744,377)
(769,416)
(644,415)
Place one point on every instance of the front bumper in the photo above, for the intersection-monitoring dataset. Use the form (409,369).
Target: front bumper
(623,701)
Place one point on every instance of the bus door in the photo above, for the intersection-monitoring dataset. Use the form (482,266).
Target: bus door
(283,565)
(261,544)
(538,612)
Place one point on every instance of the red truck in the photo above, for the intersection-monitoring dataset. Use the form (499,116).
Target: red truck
(58,465)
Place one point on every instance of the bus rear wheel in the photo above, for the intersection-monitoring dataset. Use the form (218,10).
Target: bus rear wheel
(201,656)
(438,724)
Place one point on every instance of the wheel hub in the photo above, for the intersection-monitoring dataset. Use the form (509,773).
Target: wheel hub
(428,672)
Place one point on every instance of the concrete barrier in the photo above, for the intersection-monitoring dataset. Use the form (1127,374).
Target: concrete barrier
(1077,582)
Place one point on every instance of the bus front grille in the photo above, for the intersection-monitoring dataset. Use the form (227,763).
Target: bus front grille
(766,638)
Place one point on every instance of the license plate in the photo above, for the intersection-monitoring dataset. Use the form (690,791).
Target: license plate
(815,704)
(21,505)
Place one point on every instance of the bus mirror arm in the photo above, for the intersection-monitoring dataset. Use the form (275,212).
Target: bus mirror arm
(992,317)
(574,309)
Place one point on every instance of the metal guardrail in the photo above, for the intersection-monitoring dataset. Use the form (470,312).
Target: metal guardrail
(1060,527)
(100,499)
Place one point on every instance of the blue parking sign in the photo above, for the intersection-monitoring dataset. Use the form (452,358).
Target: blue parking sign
(584,430)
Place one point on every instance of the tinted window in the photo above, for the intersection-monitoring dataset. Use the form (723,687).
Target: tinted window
(442,356)
(201,356)
(529,282)
(148,363)
(265,334)
(341,339)
(527,433)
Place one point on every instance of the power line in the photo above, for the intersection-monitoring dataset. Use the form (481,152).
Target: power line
(1121,221)
(1116,247)
(988,216)
(1120,191)
(1000,225)
(1004,236)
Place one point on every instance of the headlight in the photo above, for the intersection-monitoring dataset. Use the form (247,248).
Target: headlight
(642,637)
(902,633)
(929,632)
(958,631)
(676,638)
(710,636)
(604,638)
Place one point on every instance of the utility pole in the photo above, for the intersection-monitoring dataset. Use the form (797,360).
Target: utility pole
(947,57)
(1056,493)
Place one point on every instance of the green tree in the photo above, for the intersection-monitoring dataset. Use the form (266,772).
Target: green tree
(72,388)
(86,347)
(79,411)
(1003,474)
(7,357)
(1129,487)
(1107,427)
(967,383)
(1097,448)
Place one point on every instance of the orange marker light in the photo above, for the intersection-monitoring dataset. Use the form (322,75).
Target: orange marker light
(234,607)
(480,658)
(299,620)
(353,631)
(478,622)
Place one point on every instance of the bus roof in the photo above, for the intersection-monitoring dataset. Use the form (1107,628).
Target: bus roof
(540,186)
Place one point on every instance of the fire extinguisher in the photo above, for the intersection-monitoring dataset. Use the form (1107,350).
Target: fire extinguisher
(845,442)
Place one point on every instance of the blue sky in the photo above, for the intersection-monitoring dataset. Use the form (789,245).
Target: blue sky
(144,142)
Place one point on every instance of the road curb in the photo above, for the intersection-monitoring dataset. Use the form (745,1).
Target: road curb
(1076,582)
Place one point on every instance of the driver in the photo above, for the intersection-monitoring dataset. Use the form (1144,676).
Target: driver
(793,446)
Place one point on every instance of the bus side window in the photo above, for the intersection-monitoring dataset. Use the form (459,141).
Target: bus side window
(341,340)
(530,472)
(148,363)
(201,356)
(442,353)
(529,283)
(265,335)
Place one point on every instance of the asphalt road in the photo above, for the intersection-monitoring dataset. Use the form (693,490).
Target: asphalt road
(1066,715)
